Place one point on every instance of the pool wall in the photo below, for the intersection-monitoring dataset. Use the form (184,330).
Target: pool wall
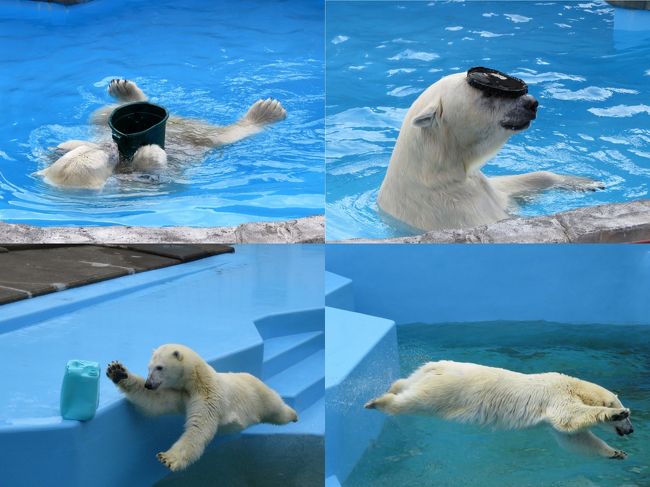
(259,310)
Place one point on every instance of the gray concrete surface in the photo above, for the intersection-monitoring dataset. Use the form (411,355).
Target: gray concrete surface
(612,223)
(303,230)
(27,270)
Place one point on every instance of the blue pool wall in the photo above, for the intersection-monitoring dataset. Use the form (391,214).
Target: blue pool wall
(458,283)
(234,300)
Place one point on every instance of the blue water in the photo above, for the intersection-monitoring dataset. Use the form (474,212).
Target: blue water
(424,451)
(199,58)
(585,63)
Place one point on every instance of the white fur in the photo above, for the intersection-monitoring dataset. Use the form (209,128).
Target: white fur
(502,398)
(181,382)
(434,179)
(185,140)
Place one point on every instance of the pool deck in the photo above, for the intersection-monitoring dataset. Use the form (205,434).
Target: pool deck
(30,270)
(611,223)
(302,230)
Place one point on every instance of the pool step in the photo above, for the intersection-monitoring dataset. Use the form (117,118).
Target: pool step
(339,291)
(302,383)
(283,351)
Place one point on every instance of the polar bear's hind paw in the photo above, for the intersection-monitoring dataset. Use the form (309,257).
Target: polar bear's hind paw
(116,372)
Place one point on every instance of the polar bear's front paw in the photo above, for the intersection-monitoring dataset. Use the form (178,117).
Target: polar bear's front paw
(116,372)
(619,455)
(171,461)
(620,414)
(266,111)
(579,183)
(125,90)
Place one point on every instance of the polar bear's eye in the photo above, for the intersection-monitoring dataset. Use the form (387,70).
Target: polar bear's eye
(159,367)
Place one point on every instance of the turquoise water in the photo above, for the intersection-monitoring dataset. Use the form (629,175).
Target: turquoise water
(199,58)
(587,64)
(418,451)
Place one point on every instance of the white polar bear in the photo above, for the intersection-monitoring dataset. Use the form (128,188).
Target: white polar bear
(434,182)
(88,165)
(483,395)
(180,381)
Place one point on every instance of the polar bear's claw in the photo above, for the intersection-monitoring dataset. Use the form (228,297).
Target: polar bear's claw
(619,455)
(169,461)
(116,372)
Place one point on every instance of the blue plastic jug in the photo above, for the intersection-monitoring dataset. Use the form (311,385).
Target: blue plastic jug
(80,390)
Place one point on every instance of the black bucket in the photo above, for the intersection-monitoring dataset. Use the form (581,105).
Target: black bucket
(138,124)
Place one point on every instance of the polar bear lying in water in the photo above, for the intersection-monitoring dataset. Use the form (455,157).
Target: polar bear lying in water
(434,181)
(88,165)
(181,382)
(482,395)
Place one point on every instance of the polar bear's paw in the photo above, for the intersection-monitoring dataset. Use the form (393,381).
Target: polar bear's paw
(620,414)
(579,183)
(171,461)
(125,90)
(266,111)
(116,372)
(619,455)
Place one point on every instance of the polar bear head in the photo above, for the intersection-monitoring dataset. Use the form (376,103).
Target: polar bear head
(458,122)
(170,367)
(595,395)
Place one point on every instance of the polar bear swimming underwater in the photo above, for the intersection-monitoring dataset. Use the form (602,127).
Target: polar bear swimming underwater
(434,179)
(478,394)
(85,164)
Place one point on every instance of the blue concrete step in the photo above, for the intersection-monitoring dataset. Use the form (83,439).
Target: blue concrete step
(283,351)
(339,291)
(301,384)
(311,421)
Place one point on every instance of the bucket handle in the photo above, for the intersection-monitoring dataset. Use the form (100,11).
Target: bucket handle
(116,137)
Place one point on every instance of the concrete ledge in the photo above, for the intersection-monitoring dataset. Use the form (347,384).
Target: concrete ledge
(612,223)
(631,4)
(302,230)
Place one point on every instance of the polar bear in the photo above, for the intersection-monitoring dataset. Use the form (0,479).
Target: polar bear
(434,181)
(180,381)
(85,164)
(484,395)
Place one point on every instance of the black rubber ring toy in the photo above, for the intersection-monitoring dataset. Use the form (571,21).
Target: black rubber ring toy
(496,83)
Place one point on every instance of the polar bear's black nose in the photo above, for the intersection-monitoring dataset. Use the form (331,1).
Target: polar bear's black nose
(531,104)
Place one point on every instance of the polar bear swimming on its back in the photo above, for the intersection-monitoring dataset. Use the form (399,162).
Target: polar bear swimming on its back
(434,181)
(180,381)
(496,397)
(85,164)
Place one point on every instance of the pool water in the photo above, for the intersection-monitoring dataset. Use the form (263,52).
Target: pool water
(431,452)
(592,82)
(198,58)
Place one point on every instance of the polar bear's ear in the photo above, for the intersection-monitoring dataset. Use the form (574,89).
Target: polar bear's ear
(178,355)
(427,117)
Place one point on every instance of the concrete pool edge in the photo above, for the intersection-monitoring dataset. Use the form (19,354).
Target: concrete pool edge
(610,223)
(309,229)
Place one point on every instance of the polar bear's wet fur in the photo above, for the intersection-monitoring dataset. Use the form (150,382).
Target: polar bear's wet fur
(86,164)
(181,382)
(434,180)
(501,398)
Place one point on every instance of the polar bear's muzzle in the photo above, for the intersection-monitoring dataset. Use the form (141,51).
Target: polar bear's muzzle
(624,427)
(521,114)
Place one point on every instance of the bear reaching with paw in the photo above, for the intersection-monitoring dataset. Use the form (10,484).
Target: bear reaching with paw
(181,382)
(434,179)
(472,393)
(86,164)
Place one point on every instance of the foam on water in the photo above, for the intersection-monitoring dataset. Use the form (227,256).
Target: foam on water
(591,80)
(199,59)
(432,452)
